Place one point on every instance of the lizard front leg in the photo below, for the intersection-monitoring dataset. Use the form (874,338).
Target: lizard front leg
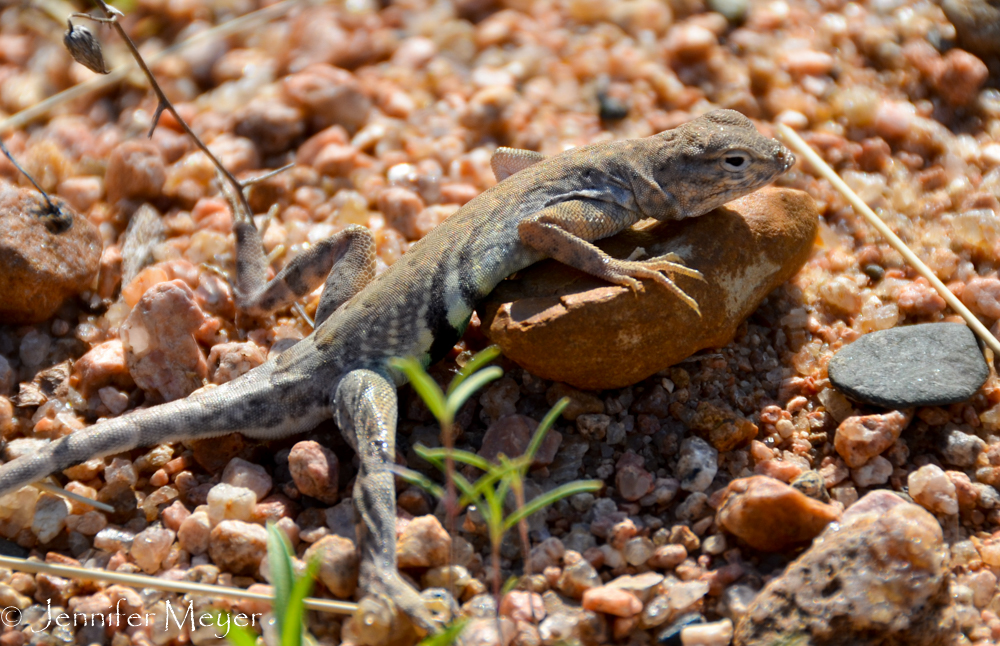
(365,408)
(346,260)
(564,231)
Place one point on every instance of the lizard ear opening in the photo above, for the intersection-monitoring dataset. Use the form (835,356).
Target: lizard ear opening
(735,161)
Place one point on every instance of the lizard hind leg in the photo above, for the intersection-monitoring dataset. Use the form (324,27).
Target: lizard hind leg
(346,260)
(365,409)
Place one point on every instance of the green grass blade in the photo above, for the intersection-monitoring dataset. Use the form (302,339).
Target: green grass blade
(540,502)
(436,456)
(509,584)
(282,576)
(239,635)
(543,428)
(480,359)
(446,637)
(470,385)
(418,479)
(291,632)
(468,491)
(426,387)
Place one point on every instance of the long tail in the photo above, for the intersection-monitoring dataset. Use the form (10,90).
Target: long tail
(260,404)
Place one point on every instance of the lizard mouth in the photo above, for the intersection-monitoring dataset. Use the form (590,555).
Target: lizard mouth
(787,158)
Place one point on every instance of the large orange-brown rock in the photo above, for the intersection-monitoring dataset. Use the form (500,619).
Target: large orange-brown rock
(878,578)
(561,324)
(771,515)
(41,265)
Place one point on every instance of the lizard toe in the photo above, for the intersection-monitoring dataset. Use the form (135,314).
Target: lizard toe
(393,589)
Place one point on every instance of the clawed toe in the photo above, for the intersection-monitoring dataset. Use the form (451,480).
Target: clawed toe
(630,271)
(668,265)
(392,593)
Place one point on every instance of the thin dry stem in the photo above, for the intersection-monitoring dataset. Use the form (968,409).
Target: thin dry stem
(250,181)
(451,496)
(62,493)
(111,18)
(522,526)
(236,25)
(800,146)
(48,200)
(183,587)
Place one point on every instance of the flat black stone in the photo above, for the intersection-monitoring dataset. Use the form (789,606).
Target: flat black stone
(917,365)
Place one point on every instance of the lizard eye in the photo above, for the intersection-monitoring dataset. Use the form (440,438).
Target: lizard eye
(735,161)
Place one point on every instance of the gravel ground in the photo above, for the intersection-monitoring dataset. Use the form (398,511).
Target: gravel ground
(391,115)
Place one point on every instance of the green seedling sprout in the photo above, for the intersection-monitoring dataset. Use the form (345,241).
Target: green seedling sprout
(290,592)
(500,478)
(444,405)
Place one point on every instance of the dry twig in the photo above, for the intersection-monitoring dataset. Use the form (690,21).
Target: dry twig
(236,25)
(183,587)
(163,103)
(801,147)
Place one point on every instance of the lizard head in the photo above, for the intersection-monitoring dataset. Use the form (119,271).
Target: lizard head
(713,159)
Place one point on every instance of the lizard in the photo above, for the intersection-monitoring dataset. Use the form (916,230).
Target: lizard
(420,306)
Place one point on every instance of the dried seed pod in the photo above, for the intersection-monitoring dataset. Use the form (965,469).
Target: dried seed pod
(85,48)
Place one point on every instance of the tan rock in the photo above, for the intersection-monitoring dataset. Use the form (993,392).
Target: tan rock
(237,547)
(612,601)
(880,577)
(861,437)
(103,365)
(338,564)
(561,324)
(423,543)
(161,344)
(41,267)
(135,171)
(770,515)
(315,470)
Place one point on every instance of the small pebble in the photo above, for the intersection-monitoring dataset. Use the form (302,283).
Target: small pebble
(632,480)
(860,438)
(237,547)
(194,533)
(961,449)
(612,601)
(226,502)
(682,596)
(161,347)
(135,171)
(667,557)
(577,577)
(50,517)
(933,490)
(423,543)
(151,546)
(697,464)
(315,470)
(716,633)
(338,564)
(240,473)
(770,515)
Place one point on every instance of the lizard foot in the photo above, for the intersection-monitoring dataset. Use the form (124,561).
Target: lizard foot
(389,593)
(626,272)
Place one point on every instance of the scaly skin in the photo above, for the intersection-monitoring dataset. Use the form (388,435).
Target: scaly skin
(420,306)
